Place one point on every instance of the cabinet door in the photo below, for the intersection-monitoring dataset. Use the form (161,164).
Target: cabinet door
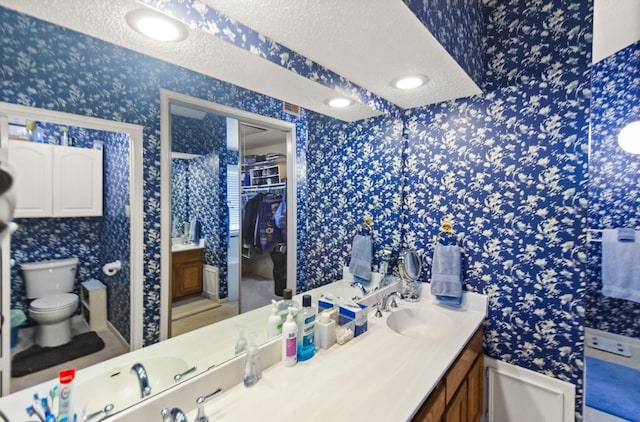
(186,273)
(475,383)
(457,407)
(31,164)
(77,182)
(433,409)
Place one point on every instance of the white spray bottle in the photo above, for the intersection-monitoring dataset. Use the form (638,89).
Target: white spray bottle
(290,340)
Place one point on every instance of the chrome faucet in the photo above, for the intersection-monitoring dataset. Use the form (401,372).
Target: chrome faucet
(143,379)
(385,300)
(360,286)
(173,415)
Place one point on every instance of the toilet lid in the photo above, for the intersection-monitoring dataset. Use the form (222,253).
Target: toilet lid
(54,301)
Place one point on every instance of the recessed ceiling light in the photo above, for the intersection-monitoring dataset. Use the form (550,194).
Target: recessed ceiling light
(629,137)
(340,102)
(156,26)
(410,82)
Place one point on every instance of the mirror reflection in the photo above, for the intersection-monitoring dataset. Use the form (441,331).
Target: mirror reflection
(228,216)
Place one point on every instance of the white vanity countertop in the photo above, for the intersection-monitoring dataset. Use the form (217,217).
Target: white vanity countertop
(378,376)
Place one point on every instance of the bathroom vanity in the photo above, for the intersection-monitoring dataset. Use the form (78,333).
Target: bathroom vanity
(382,375)
(418,361)
(186,272)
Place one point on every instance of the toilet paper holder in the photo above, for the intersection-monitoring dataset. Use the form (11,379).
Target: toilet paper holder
(112,268)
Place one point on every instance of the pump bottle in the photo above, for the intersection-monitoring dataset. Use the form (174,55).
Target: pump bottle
(289,340)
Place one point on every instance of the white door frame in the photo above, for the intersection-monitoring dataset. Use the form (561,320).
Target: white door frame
(166,97)
(136,218)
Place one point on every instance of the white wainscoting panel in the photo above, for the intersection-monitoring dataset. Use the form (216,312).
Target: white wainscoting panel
(516,394)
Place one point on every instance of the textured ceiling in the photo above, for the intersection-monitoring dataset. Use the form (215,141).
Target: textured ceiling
(616,25)
(370,44)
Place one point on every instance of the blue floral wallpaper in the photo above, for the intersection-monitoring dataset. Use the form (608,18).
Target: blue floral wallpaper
(353,170)
(94,240)
(541,42)
(80,74)
(508,166)
(458,25)
(614,180)
(114,241)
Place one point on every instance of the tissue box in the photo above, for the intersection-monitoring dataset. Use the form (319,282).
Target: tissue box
(324,303)
(347,315)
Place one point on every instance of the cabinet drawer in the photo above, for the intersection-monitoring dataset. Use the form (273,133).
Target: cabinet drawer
(456,375)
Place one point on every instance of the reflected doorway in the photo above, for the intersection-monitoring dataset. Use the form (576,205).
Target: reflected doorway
(214,161)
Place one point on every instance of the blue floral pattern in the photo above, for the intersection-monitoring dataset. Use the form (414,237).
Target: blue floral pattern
(87,76)
(458,25)
(354,170)
(613,180)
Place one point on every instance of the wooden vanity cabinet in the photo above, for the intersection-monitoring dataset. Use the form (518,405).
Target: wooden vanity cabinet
(458,396)
(186,273)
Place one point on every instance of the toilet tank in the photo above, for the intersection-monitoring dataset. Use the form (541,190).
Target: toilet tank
(47,278)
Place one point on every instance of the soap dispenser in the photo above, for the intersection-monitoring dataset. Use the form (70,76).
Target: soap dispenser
(241,342)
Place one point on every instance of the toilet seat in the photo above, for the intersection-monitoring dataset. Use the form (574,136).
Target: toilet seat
(53,302)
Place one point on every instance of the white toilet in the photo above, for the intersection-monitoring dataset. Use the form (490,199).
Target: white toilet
(49,283)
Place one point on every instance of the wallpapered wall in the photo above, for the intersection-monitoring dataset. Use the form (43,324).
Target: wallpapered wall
(614,180)
(94,240)
(87,76)
(198,183)
(509,167)
(354,169)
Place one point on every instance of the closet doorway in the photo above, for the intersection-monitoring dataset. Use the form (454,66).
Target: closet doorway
(263,234)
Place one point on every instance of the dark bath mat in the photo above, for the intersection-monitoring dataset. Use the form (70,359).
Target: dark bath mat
(37,358)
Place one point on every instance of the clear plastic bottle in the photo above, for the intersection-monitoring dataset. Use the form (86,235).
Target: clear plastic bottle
(289,340)
(241,342)
(253,367)
(306,330)
(274,323)
(283,307)
(38,133)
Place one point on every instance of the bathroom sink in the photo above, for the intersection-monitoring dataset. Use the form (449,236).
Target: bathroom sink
(119,386)
(346,292)
(421,322)
(177,245)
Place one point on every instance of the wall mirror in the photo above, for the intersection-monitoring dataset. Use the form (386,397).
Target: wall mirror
(613,173)
(55,223)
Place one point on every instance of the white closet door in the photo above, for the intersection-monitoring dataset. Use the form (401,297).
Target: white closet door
(31,164)
(77,182)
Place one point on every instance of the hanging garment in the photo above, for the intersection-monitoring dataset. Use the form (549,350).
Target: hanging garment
(268,232)
(251,212)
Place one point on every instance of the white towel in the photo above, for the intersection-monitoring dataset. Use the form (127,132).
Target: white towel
(620,267)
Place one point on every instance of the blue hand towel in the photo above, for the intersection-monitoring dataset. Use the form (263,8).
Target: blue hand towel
(446,275)
(195,230)
(361,255)
(620,267)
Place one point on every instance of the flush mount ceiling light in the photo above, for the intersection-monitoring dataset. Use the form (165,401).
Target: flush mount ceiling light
(340,102)
(156,26)
(410,82)
(629,137)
